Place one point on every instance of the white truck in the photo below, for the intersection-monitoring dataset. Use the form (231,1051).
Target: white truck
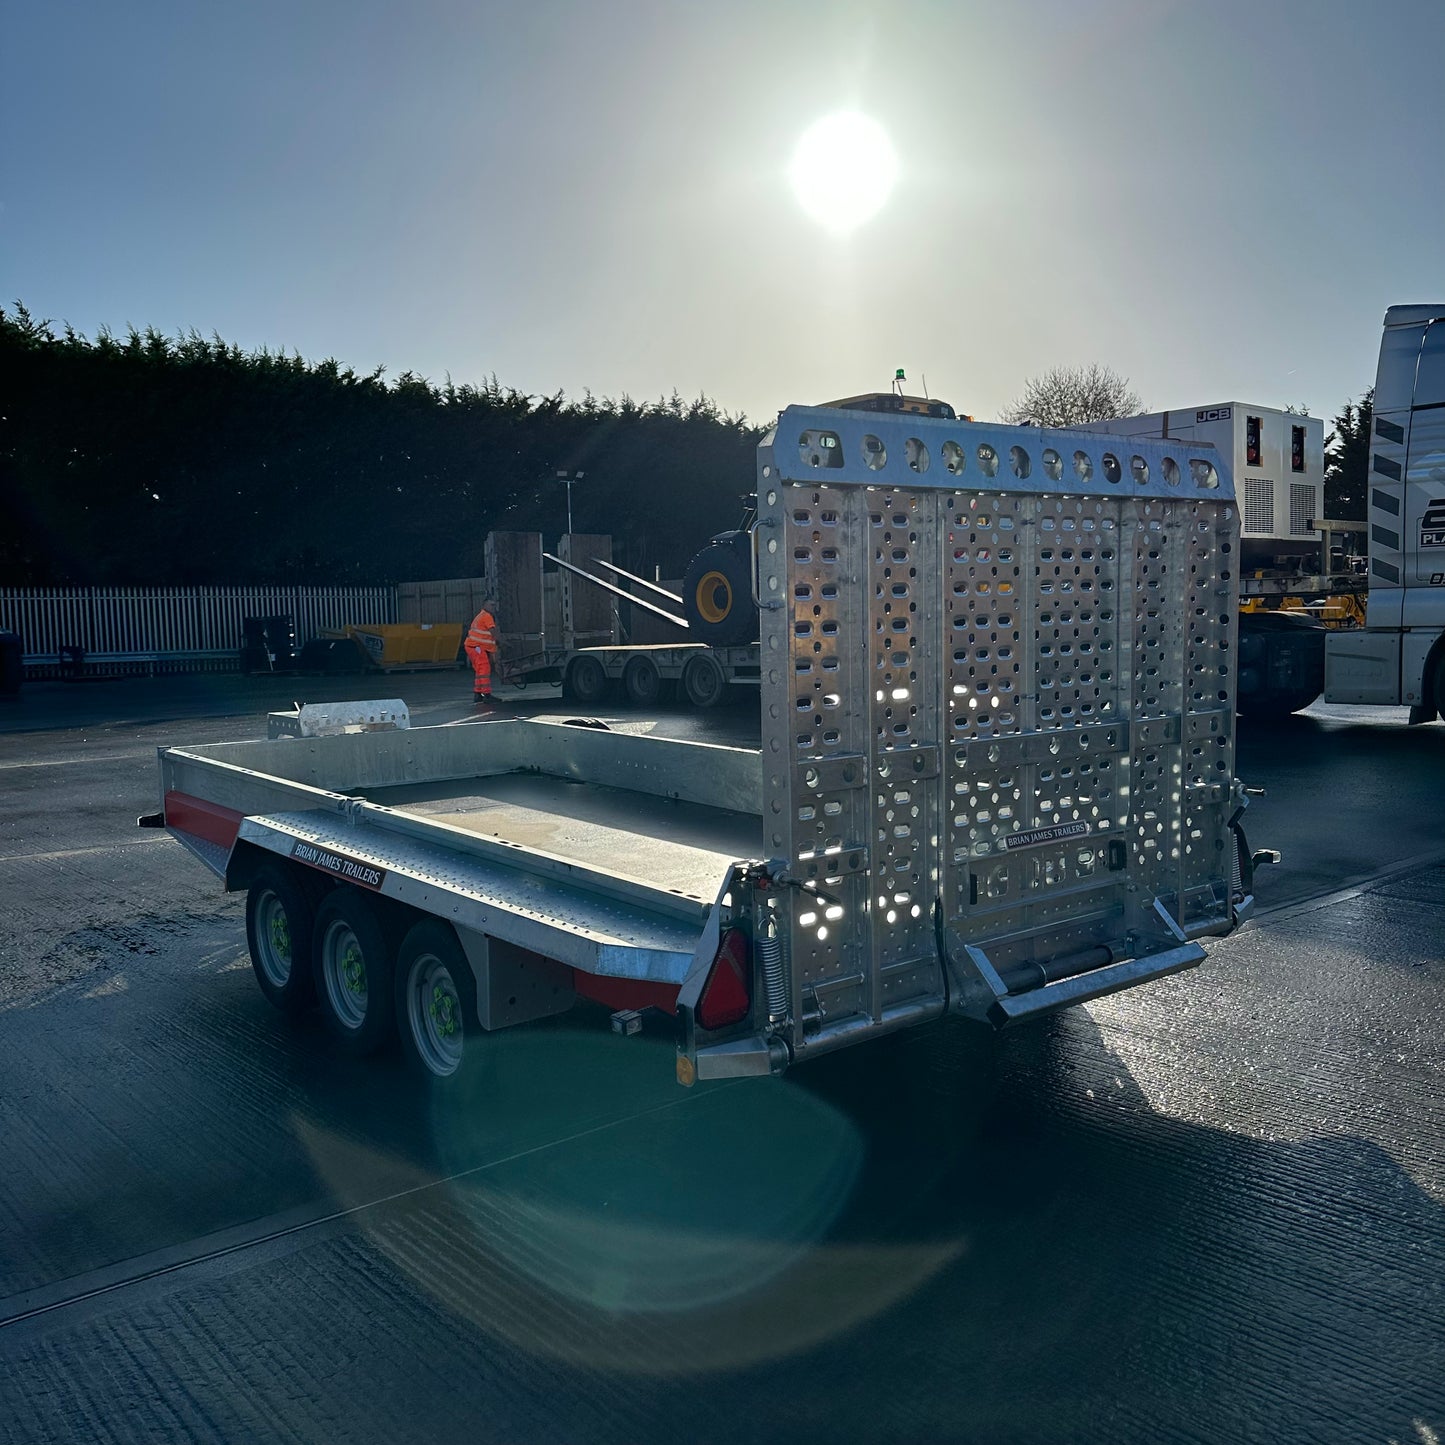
(1399,656)
(996,778)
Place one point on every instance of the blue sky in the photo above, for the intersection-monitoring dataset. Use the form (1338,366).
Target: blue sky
(1218,200)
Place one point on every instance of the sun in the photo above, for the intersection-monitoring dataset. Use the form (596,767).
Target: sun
(843,170)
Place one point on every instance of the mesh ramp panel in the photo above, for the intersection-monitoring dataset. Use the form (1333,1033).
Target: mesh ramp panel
(997,675)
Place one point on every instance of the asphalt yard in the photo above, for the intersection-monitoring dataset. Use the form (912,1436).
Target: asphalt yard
(1212,1209)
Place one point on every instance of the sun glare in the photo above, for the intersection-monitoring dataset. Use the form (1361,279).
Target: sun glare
(843,170)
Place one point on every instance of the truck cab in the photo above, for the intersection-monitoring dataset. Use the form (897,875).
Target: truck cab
(1399,656)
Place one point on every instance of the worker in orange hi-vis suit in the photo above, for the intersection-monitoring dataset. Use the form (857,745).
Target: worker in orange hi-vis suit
(481,646)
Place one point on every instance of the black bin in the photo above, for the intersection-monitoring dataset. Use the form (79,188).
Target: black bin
(268,644)
(333,654)
(12,664)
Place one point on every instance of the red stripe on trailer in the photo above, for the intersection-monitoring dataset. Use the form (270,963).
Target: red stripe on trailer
(208,821)
(620,993)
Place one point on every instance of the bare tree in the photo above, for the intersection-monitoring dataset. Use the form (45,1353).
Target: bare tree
(1071,395)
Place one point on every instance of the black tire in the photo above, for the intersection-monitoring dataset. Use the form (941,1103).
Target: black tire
(703,681)
(354,987)
(1439,689)
(587,681)
(436,1005)
(717,593)
(642,681)
(1274,706)
(1281,664)
(280,922)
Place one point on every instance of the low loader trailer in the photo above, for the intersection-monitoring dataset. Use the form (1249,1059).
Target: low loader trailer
(997,673)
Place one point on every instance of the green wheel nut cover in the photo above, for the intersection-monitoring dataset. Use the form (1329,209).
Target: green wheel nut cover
(441,1011)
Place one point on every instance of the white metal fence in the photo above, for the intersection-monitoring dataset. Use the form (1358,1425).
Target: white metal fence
(176,623)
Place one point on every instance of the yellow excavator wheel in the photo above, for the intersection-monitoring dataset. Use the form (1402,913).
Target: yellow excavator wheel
(713,596)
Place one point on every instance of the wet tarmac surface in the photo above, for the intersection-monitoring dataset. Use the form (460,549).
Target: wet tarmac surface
(1208,1210)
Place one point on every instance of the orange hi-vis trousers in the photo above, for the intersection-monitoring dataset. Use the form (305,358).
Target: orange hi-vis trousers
(481,647)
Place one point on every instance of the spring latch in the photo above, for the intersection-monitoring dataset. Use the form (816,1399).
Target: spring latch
(775,982)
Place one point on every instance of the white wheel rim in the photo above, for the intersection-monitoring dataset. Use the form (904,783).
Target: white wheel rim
(273,940)
(434,1015)
(343,967)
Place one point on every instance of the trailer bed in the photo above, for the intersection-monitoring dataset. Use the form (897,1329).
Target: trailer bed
(682,847)
(508,829)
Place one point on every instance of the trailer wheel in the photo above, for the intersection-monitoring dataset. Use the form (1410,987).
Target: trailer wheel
(703,680)
(586,681)
(353,971)
(279,922)
(643,681)
(436,1002)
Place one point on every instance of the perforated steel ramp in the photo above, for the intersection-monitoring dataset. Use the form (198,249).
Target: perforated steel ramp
(997,698)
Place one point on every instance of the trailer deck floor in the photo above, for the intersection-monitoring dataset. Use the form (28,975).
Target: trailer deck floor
(684,847)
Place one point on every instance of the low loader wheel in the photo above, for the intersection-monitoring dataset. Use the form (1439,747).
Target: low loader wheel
(279,922)
(642,680)
(703,680)
(436,1003)
(1440,687)
(353,970)
(586,681)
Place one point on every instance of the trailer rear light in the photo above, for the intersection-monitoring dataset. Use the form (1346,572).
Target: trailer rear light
(727,995)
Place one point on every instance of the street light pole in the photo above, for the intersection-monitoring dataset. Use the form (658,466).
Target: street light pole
(567,479)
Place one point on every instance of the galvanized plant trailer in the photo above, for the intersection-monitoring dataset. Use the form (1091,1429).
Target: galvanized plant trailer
(996,776)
